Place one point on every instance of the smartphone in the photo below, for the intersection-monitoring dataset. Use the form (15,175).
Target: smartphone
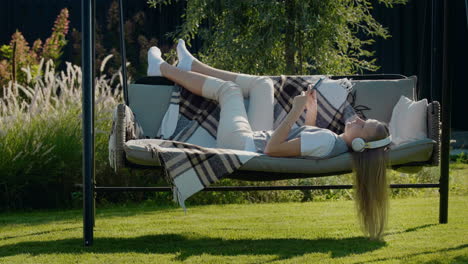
(317,84)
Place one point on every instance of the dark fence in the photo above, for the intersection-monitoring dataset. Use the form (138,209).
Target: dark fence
(407,52)
(35,18)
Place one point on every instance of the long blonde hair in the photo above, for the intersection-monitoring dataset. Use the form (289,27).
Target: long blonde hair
(371,186)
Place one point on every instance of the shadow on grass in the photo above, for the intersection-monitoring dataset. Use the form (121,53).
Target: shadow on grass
(419,227)
(443,258)
(40,233)
(185,246)
(411,229)
(39,217)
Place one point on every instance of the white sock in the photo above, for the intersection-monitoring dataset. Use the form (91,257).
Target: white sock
(154,61)
(184,56)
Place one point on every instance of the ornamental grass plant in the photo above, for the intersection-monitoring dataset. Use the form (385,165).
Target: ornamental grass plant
(41,136)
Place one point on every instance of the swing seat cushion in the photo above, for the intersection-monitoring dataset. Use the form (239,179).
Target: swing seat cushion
(140,151)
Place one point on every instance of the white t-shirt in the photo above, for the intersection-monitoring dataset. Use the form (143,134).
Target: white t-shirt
(315,142)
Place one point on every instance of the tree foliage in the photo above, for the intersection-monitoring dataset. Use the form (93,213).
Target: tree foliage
(283,36)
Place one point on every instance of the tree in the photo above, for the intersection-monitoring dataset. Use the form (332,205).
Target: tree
(283,36)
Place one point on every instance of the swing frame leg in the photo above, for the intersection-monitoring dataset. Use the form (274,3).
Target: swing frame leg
(88,84)
(446,122)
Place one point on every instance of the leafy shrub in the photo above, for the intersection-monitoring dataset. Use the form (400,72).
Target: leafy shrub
(460,158)
(21,63)
(137,41)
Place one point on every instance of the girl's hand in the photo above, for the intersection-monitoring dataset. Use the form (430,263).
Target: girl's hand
(300,101)
(311,105)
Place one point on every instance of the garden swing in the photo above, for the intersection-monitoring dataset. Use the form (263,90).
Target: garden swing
(149,98)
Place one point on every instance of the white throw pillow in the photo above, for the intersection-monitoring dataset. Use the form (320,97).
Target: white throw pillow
(409,120)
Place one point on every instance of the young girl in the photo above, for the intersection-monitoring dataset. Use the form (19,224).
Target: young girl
(253,129)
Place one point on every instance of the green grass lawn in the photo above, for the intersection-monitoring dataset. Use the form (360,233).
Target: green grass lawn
(312,232)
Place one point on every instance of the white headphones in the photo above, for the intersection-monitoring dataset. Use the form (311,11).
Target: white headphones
(359,145)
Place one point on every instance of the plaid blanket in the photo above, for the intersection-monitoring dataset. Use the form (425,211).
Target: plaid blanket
(188,153)
(190,168)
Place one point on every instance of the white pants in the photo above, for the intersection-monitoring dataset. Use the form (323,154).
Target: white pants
(236,124)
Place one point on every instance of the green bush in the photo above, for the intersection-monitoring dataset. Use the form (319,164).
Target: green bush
(460,158)
(138,40)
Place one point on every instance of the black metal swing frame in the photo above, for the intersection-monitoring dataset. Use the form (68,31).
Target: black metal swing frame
(89,185)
